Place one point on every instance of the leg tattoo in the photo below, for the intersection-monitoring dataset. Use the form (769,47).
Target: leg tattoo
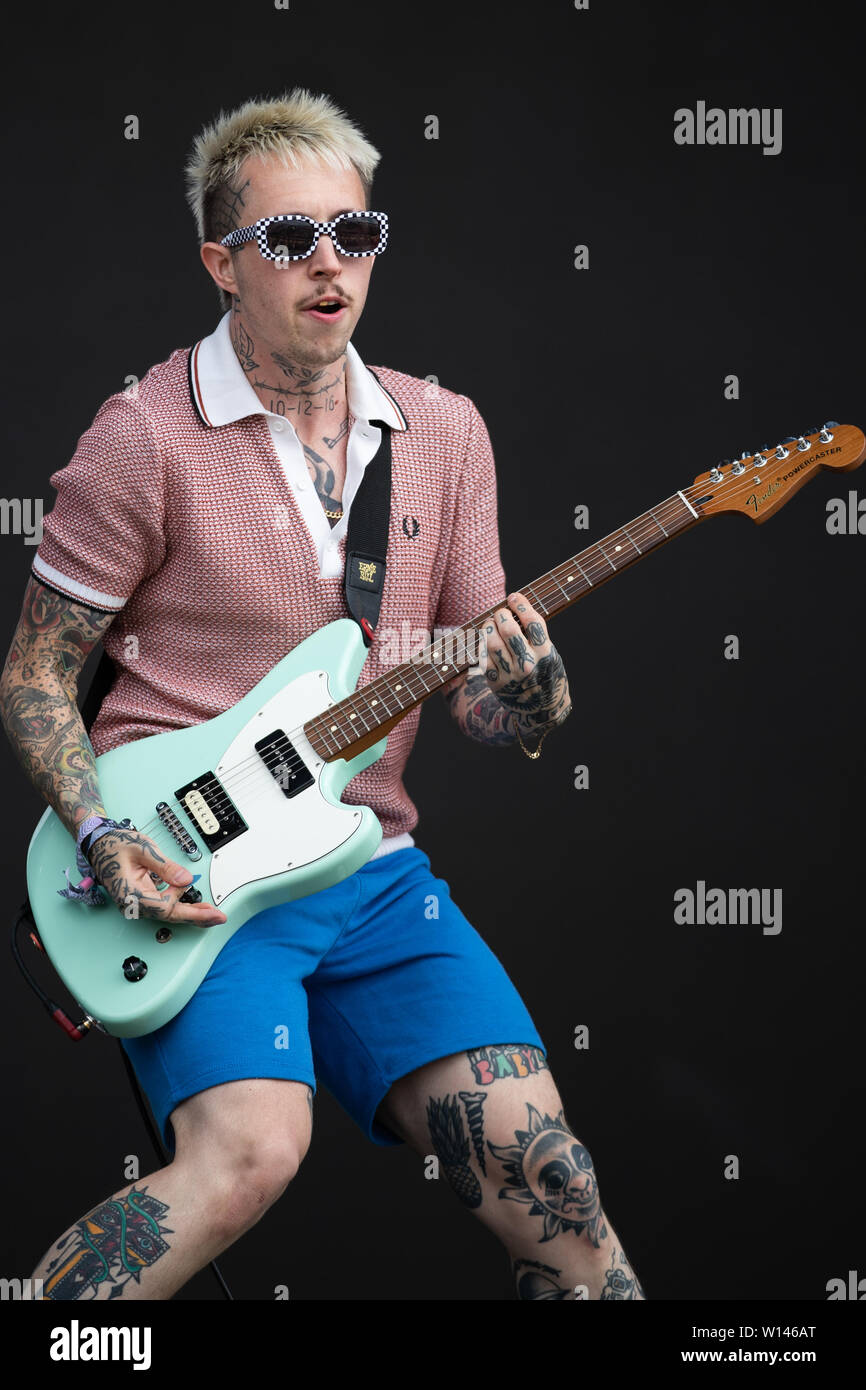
(620,1280)
(474,1103)
(536,1281)
(549,1169)
(115,1242)
(451,1146)
(505,1059)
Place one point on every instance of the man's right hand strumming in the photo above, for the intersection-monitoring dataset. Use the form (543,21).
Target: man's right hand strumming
(130,868)
(39,711)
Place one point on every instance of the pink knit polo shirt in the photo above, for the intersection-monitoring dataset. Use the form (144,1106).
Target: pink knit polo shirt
(192,532)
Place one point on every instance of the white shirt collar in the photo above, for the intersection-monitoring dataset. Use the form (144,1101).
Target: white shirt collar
(222,394)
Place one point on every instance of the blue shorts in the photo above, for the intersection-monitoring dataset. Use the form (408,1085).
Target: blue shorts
(357,985)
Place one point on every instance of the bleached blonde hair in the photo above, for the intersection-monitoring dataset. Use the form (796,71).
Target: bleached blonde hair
(297,127)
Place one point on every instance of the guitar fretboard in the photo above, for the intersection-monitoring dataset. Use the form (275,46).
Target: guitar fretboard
(384,700)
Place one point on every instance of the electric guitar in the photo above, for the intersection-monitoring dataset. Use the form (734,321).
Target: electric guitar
(250,800)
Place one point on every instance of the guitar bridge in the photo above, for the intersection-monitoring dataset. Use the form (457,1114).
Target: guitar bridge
(211,810)
(177,831)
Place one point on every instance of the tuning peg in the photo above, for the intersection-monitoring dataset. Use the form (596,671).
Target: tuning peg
(715,475)
(739,467)
(759,460)
(825,435)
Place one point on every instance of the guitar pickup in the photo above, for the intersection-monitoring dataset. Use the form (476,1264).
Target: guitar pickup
(211,810)
(284,763)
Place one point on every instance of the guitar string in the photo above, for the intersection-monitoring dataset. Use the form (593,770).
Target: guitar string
(642,528)
(543,588)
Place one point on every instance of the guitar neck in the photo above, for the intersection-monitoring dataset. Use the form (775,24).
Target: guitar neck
(370,712)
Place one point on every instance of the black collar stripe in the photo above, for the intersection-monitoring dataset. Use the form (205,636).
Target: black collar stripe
(395,404)
(194,391)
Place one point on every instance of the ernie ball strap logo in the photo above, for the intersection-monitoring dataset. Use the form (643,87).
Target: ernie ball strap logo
(368,572)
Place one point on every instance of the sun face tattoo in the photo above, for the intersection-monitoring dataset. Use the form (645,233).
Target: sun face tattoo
(552,1172)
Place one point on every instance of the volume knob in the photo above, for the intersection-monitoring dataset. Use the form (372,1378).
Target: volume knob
(134,969)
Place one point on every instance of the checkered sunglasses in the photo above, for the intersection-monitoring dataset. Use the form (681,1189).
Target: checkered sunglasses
(291,237)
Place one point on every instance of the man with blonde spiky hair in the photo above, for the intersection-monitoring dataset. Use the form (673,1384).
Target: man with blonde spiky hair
(206,516)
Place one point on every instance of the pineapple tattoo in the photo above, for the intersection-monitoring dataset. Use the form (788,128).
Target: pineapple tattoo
(451,1145)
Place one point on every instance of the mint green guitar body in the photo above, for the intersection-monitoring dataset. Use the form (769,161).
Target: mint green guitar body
(261,837)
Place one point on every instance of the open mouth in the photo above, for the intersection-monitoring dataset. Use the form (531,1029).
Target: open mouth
(326,309)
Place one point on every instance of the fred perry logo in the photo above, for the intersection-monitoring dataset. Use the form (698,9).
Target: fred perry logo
(411,527)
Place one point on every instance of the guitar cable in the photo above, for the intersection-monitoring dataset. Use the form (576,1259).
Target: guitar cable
(77,1031)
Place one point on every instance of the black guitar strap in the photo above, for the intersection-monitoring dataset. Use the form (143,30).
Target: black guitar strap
(366,551)
(367,538)
(103,680)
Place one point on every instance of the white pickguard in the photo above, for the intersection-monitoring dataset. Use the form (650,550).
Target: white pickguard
(284,833)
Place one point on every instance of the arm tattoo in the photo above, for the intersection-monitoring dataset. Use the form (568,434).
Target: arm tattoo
(542,703)
(103,857)
(488,716)
(479,713)
(38,705)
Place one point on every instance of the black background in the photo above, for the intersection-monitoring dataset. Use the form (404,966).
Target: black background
(602,387)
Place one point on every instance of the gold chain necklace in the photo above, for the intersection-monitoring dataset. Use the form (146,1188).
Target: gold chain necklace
(335,514)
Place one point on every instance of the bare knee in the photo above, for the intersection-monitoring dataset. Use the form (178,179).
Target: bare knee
(251,1177)
(242,1144)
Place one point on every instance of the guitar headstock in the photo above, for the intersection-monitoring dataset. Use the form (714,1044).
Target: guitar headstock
(760,483)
